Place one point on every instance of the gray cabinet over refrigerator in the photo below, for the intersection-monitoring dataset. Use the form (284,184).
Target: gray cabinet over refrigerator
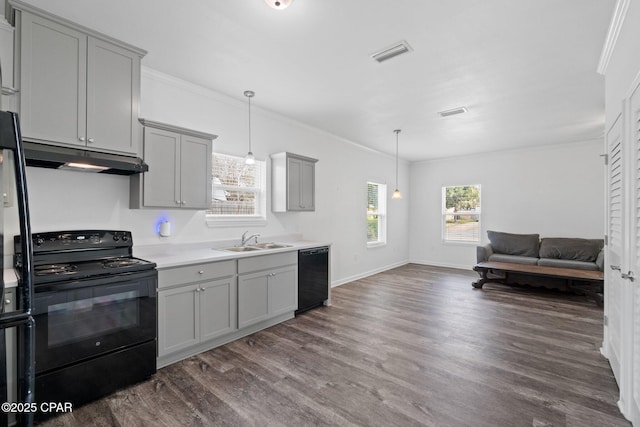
(92,80)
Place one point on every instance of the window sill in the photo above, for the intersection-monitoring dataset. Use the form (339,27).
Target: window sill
(461,243)
(375,244)
(231,221)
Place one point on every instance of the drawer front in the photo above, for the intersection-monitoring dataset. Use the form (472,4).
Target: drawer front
(266,262)
(195,273)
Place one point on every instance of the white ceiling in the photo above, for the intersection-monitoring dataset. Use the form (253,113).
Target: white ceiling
(525,69)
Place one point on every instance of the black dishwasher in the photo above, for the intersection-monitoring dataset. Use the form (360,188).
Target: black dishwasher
(313,278)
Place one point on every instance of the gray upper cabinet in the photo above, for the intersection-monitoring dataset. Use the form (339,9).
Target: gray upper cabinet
(179,173)
(113,91)
(292,182)
(76,87)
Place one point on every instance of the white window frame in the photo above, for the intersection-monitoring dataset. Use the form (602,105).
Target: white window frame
(226,220)
(475,213)
(381,215)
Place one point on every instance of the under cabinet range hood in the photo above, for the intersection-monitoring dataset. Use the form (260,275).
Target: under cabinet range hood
(50,156)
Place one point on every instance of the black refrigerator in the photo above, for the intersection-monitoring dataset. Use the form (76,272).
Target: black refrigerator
(20,318)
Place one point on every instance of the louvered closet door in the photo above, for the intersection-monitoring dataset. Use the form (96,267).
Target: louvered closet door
(613,259)
(634,281)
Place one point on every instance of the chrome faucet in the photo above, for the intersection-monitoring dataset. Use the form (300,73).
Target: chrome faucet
(245,239)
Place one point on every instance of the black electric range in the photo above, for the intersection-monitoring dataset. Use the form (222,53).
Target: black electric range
(95,314)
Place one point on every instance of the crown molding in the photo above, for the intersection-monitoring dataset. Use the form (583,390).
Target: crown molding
(177,82)
(615,26)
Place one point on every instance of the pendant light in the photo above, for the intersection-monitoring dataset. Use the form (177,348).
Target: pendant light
(396,193)
(279,4)
(249,159)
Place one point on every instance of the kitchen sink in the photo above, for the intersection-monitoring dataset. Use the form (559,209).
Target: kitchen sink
(241,249)
(256,247)
(270,246)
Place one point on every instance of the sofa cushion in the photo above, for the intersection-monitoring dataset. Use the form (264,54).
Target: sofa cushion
(513,258)
(514,244)
(568,263)
(571,248)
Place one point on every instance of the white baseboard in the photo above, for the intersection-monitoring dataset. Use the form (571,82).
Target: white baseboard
(367,274)
(396,265)
(441,264)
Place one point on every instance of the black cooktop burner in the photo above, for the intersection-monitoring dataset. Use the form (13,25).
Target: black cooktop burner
(121,262)
(44,270)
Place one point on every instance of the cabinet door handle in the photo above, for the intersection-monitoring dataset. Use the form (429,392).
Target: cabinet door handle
(197,289)
(91,140)
(178,202)
(201,272)
(272,274)
(615,267)
(202,289)
(183,202)
(7,301)
(81,139)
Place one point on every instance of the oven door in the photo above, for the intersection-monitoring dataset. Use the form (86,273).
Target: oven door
(84,319)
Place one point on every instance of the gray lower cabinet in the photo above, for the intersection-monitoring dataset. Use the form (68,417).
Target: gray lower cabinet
(179,173)
(196,303)
(267,287)
(202,306)
(76,87)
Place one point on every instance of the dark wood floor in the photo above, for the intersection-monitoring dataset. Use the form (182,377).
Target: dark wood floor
(411,346)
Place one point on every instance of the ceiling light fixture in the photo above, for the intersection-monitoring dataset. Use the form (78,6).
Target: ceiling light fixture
(453,111)
(279,4)
(396,193)
(249,159)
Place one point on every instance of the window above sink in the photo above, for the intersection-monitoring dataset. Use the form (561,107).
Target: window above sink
(238,192)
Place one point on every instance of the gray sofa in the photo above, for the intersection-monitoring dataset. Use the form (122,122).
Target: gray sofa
(575,253)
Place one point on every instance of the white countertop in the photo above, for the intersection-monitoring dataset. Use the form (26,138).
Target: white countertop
(10,278)
(177,254)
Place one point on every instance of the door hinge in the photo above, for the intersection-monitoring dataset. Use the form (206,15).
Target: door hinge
(606,320)
(606,158)
(606,240)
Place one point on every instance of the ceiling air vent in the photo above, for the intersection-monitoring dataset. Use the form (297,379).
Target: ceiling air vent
(453,112)
(392,51)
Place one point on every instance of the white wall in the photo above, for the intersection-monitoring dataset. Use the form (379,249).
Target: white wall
(73,200)
(624,64)
(556,191)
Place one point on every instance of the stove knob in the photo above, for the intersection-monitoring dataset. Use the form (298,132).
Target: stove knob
(39,241)
(116,237)
(125,238)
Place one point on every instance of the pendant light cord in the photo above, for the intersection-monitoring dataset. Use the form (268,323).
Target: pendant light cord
(249,96)
(249,159)
(397,131)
